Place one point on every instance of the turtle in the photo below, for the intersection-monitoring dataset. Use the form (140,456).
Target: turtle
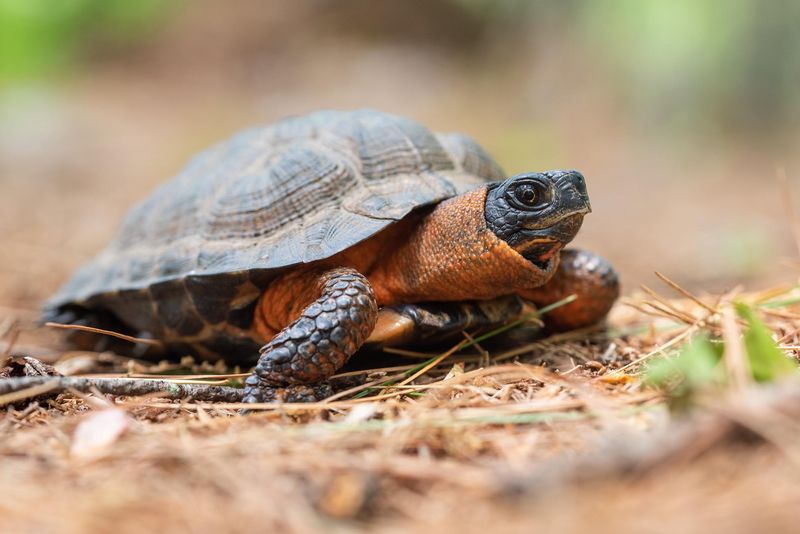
(291,245)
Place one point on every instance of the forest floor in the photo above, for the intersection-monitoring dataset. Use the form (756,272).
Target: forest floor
(571,433)
(574,433)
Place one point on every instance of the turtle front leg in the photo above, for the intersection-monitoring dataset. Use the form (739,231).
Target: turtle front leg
(590,278)
(318,342)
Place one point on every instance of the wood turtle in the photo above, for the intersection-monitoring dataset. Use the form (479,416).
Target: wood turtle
(293,244)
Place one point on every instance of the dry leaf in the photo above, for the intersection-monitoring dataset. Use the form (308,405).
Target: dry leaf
(361,413)
(97,432)
(457,369)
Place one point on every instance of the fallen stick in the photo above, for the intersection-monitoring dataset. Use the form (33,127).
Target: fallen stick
(11,388)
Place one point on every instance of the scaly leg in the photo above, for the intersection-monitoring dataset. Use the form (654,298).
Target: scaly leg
(316,344)
(434,321)
(587,276)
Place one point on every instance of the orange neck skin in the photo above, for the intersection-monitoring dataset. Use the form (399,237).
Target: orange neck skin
(450,255)
(447,254)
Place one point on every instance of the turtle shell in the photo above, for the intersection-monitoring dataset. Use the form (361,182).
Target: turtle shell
(271,197)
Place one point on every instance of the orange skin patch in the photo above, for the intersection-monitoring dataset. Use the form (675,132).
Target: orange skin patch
(550,253)
(446,254)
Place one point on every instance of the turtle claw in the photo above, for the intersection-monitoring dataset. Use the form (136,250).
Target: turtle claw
(289,394)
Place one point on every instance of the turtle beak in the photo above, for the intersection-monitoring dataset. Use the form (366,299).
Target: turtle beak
(573,197)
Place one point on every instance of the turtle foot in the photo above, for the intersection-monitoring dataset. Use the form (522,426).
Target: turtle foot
(319,342)
(262,393)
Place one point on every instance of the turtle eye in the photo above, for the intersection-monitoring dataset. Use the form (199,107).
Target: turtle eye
(531,195)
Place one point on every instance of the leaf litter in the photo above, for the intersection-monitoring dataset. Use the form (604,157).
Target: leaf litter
(603,428)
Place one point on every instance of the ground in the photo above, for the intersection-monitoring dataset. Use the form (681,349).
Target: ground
(548,434)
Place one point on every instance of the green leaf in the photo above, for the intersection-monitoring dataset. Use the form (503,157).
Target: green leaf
(767,361)
(695,367)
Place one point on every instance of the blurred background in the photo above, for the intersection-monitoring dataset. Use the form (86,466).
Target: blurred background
(681,113)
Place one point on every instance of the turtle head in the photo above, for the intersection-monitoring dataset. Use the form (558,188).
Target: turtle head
(496,240)
(538,213)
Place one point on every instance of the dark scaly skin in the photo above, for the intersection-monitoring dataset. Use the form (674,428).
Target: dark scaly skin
(294,393)
(437,321)
(315,345)
(590,278)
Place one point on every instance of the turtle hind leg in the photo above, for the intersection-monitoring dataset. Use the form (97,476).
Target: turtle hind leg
(302,356)
(437,321)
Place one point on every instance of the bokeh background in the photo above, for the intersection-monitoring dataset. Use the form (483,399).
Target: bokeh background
(680,113)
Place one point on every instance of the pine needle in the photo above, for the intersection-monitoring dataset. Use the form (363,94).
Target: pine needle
(94,330)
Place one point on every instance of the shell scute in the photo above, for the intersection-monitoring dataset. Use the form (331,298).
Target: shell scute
(175,310)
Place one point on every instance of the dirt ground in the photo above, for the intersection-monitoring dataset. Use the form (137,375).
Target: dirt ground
(519,436)
(555,434)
